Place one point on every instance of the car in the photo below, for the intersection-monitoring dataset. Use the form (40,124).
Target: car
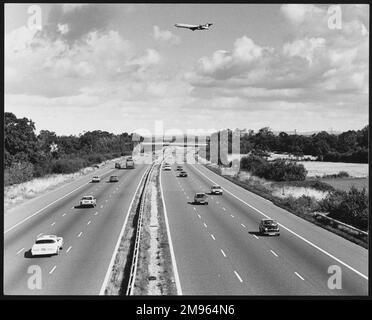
(96,179)
(269,227)
(200,198)
(179,168)
(183,174)
(216,189)
(47,245)
(167,168)
(88,201)
(114,179)
(117,165)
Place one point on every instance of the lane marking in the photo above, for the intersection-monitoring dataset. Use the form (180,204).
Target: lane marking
(173,257)
(294,233)
(205,225)
(53,224)
(255,236)
(274,253)
(237,275)
(231,216)
(88,222)
(298,275)
(223,209)
(213,237)
(40,234)
(199,216)
(79,235)
(194,208)
(243,225)
(63,214)
(224,254)
(108,272)
(51,271)
(19,251)
(96,213)
(69,248)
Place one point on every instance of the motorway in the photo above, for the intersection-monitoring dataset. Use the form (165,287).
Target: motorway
(218,250)
(90,235)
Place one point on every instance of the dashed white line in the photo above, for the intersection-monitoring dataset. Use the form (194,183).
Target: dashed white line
(223,209)
(224,254)
(51,271)
(96,213)
(39,235)
(69,248)
(237,275)
(53,224)
(199,216)
(255,236)
(79,235)
(194,208)
(19,251)
(205,225)
(231,216)
(298,275)
(213,237)
(89,222)
(63,214)
(273,253)
(243,225)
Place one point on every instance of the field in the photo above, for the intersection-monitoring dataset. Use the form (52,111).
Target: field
(319,168)
(345,184)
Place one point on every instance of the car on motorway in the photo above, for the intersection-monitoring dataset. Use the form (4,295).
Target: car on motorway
(88,201)
(96,179)
(47,245)
(200,198)
(216,189)
(269,227)
(117,165)
(114,179)
(179,168)
(183,174)
(167,168)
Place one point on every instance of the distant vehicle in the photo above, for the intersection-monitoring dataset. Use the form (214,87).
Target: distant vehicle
(96,166)
(167,168)
(269,227)
(179,168)
(47,245)
(88,201)
(201,198)
(183,174)
(129,164)
(215,189)
(114,179)
(194,27)
(117,165)
(96,179)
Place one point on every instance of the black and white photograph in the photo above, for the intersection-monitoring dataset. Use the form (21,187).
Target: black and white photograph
(196,149)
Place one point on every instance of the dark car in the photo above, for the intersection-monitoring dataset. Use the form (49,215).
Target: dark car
(200,198)
(179,168)
(183,174)
(114,179)
(269,227)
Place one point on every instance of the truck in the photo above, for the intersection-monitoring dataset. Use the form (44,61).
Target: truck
(129,163)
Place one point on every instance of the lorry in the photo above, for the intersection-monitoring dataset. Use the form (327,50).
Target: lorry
(126,164)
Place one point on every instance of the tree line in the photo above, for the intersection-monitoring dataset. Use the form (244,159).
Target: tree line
(28,155)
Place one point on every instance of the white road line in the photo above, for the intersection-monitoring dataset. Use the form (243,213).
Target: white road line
(205,225)
(298,275)
(69,248)
(39,235)
(194,208)
(223,209)
(89,222)
(19,251)
(174,262)
(255,236)
(101,206)
(294,233)
(273,253)
(108,272)
(79,235)
(53,224)
(243,225)
(224,254)
(199,216)
(231,216)
(237,275)
(51,271)
(213,237)
(72,207)
(96,213)
(63,214)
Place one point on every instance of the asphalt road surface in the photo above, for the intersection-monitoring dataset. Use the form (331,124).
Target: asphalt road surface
(90,235)
(219,251)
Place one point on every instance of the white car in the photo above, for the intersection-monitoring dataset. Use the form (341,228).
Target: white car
(96,179)
(167,168)
(47,245)
(88,201)
(215,189)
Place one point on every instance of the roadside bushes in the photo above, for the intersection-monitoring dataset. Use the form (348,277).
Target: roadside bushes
(349,207)
(18,172)
(277,170)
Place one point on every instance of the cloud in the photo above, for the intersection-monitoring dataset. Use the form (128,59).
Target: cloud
(165,36)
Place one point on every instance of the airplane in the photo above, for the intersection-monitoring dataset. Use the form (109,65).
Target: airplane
(194,27)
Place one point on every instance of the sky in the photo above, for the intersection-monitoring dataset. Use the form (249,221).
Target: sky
(125,67)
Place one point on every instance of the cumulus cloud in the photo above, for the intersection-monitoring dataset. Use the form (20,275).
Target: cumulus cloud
(165,36)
